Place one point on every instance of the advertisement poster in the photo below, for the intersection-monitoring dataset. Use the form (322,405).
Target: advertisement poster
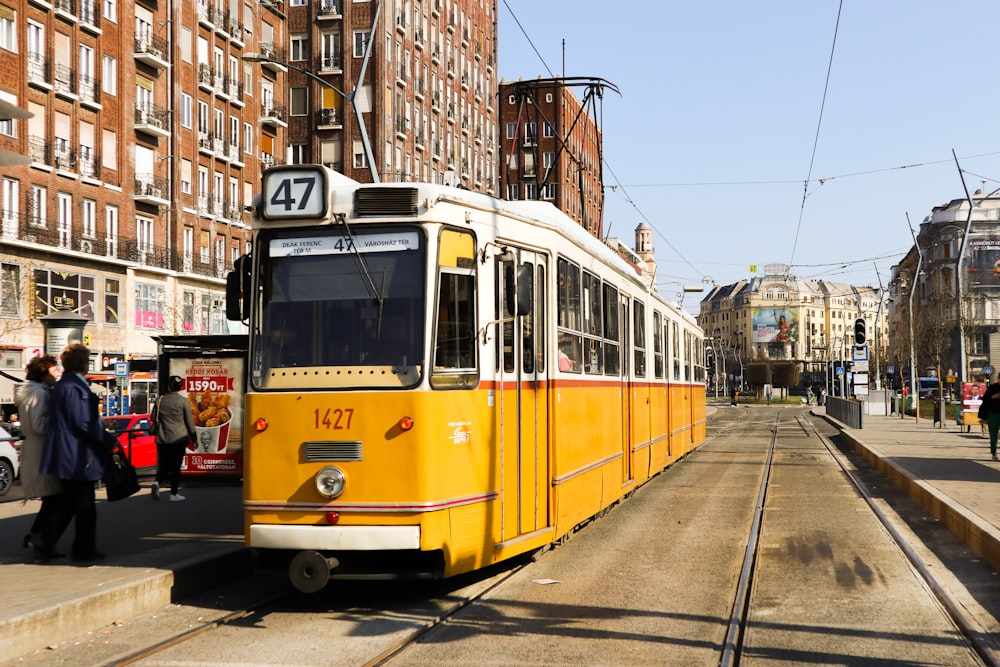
(775,325)
(982,262)
(972,398)
(214,388)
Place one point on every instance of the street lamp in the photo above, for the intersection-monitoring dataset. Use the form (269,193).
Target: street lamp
(350,97)
(913,355)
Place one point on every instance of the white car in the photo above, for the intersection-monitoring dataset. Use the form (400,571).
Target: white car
(9,462)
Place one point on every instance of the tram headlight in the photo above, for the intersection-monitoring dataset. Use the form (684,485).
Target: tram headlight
(330,482)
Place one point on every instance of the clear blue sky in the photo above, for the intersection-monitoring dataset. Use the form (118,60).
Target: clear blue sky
(719,123)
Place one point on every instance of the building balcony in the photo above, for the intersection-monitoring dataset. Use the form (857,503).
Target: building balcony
(274,114)
(152,120)
(152,51)
(274,53)
(326,119)
(329,9)
(151,190)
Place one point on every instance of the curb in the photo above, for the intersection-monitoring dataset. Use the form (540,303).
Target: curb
(76,612)
(979,535)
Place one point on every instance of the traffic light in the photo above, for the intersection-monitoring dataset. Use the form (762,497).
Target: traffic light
(859,331)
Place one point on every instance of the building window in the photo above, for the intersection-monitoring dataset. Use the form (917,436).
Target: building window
(531,191)
(549,129)
(360,159)
(299,98)
(186,107)
(10,290)
(513,191)
(549,191)
(8,29)
(112,298)
(144,234)
(187,312)
(60,290)
(7,126)
(150,303)
(88,213)
(111,231)
(300,47)
(361,38)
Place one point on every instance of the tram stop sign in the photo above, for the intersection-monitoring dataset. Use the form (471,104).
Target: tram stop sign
(987,371)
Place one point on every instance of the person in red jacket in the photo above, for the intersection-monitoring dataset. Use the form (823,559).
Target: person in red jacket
(76,450)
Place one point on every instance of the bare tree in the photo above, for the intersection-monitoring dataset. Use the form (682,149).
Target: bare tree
(933,330)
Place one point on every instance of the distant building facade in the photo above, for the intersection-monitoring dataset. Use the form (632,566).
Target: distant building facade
(780,317)
(953,283)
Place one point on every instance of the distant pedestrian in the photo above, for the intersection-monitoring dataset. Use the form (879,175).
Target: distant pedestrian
(767,393)
(174,432)
(734,394)
(991,408)
(76,450)
(822,396)
(32,398)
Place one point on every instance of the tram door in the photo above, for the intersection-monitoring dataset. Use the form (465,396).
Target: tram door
(523,405)
(627,388)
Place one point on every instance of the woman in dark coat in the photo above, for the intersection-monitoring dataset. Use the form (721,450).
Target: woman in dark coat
(76,447)
(990,408)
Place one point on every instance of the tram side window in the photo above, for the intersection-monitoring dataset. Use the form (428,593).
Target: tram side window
(675,330)
(639,337)
(528,351)
(593,324)
(569,295)
(569,317)
(657,345)
(612,332)
(538,319)
(570,352)
(455,359)
(688,346)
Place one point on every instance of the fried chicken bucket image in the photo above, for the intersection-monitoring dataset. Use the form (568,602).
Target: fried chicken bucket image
(212,417)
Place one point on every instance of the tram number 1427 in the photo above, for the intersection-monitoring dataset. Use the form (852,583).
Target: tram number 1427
(335,420)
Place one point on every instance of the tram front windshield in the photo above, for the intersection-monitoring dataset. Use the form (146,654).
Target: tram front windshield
(332,300)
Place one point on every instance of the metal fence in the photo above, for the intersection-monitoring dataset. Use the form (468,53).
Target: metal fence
(844,410)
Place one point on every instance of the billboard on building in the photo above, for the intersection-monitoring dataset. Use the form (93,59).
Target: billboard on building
(775,325)
(982,261)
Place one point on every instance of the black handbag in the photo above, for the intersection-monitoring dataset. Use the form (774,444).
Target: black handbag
(120,480)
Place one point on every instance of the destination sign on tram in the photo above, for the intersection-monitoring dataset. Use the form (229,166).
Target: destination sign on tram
(294,192)
(336,245)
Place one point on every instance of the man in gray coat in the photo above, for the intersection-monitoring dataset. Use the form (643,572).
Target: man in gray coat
(174,431)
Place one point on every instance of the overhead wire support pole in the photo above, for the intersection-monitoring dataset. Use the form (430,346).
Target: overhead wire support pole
(958,280)
(351,97)
(913,355)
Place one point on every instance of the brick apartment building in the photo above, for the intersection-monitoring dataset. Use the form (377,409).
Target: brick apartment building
(562,164)
(152,122)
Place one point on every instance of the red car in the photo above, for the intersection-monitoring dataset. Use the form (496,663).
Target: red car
(134,432)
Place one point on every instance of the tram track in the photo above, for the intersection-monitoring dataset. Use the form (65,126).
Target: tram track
(739,622)
(953,608)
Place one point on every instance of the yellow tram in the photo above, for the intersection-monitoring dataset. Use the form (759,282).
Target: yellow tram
(440,380)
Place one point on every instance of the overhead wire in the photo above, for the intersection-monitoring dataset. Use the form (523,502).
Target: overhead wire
(819,125)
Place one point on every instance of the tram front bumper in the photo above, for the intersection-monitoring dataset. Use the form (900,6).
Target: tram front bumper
(334,538)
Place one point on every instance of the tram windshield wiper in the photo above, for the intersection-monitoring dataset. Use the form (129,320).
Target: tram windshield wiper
(377,294)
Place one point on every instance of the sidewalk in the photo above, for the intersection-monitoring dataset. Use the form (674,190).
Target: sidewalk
(157,552)
(949,472)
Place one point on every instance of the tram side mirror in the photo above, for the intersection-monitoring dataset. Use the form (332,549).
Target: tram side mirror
(238,290)
(517,293)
